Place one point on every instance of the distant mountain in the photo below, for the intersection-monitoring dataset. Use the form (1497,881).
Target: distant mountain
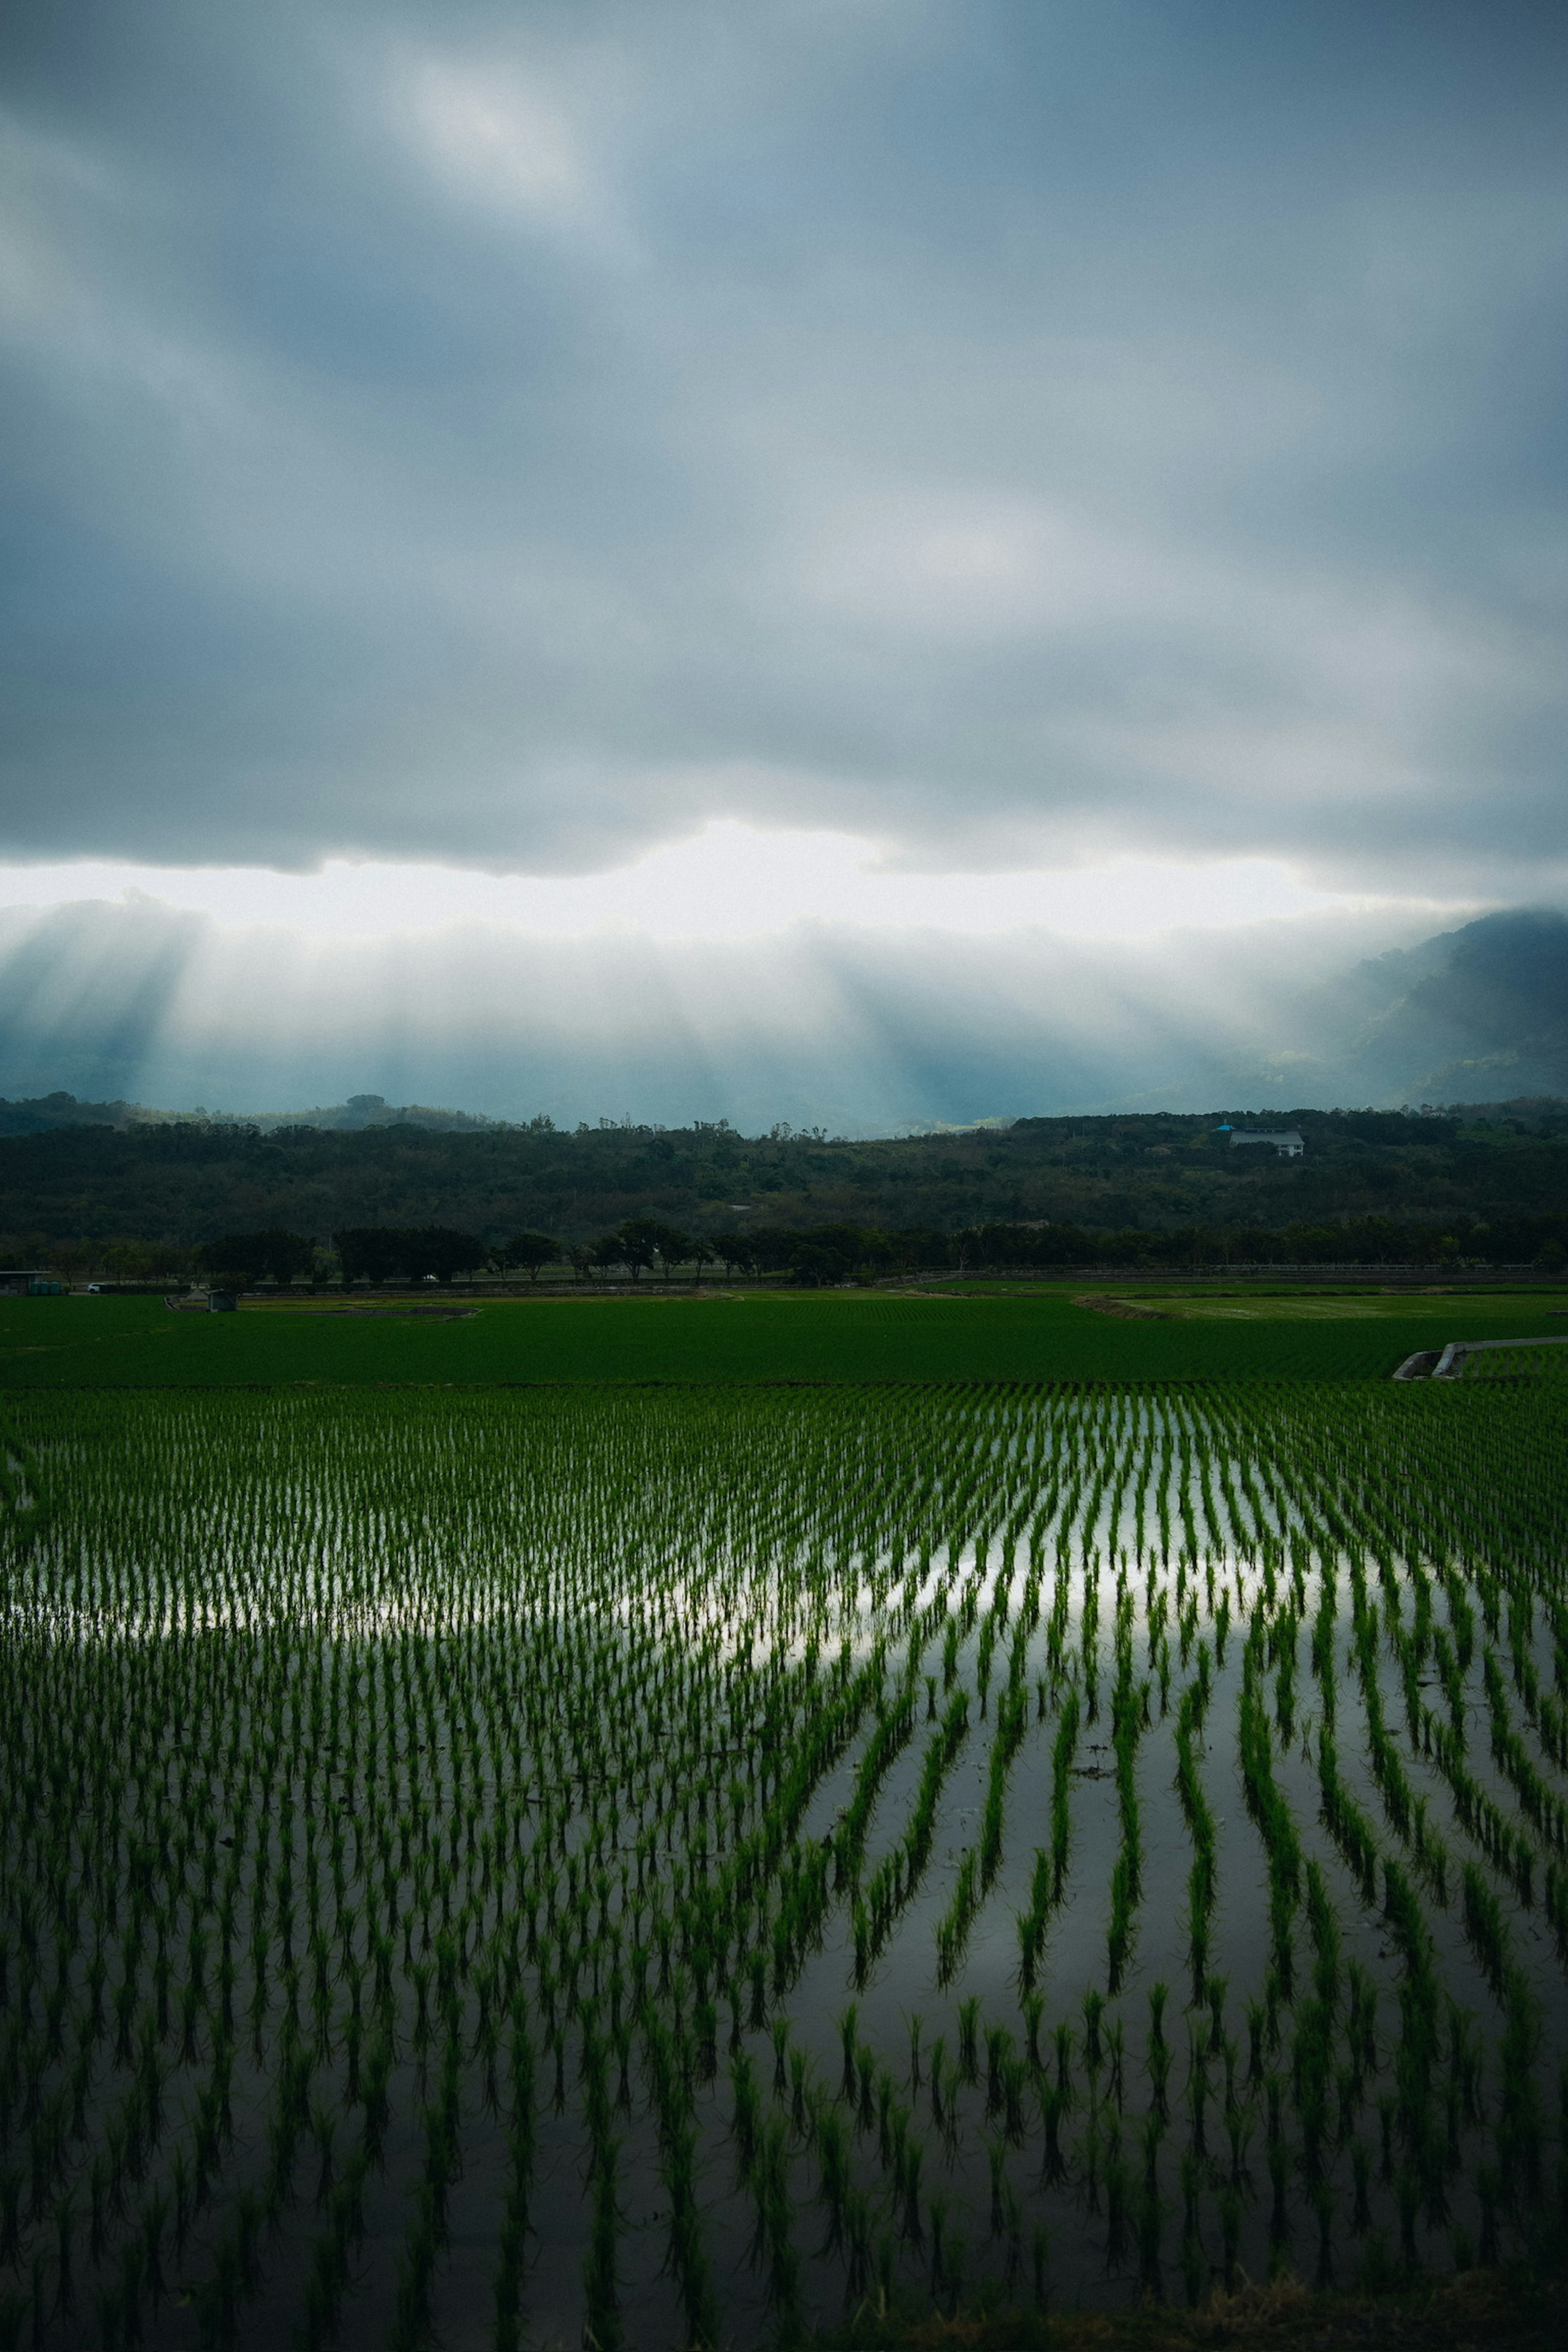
(374,1110)
(1473,1015)
(41,1113)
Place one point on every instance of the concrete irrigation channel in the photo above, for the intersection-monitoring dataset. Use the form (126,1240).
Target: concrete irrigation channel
(1447,1364)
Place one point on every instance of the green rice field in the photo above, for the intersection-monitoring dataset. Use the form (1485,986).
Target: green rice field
(81,1342)
(688,1865)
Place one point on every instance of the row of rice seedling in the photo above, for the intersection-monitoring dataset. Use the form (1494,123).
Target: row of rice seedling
(669,1829)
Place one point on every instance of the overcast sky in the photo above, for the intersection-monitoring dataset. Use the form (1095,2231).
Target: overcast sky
(781,456)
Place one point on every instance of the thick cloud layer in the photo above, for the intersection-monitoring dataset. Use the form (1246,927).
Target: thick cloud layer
(515,436)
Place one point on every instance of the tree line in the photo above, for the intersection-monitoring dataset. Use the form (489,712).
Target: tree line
(830,1254)
(636,1246)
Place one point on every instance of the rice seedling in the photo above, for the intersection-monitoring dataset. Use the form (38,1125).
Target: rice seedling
(383,1771)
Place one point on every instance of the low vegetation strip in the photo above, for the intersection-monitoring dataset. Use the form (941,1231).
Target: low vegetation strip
(706,1865)
(83,1342)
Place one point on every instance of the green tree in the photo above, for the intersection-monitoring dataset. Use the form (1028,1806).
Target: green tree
(818,1260)
(701,1252)
(370,1253)
(674,1248)
(443,1252)
(125,1260)
(257,1257)
(636,1244)
(531,1251)
(68,1258)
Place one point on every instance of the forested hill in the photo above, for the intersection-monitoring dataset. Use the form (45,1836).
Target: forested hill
(38,1114)
(188,1184)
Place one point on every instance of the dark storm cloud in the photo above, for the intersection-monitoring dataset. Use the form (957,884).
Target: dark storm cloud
(514,435)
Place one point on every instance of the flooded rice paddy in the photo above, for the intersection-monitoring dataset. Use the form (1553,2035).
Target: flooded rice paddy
(663,1867)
